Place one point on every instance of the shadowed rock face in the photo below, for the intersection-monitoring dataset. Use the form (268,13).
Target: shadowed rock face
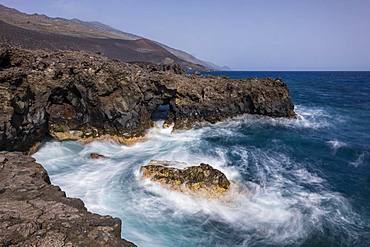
(74,95)
(35,213)
(203,178)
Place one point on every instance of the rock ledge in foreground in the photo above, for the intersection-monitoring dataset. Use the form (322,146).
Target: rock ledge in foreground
(203,179)
(35,213)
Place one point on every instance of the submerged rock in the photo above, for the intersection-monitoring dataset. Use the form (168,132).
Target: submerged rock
(35,213)
(73,95)
(96,156)
(203,179)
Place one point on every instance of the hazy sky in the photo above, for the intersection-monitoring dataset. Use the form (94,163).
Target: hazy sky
(249,34)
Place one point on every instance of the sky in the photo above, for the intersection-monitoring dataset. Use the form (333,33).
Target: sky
(244,35)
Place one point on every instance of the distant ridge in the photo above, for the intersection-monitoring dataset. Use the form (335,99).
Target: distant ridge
(36,31)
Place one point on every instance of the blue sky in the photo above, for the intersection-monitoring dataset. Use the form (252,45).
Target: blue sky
(244,35)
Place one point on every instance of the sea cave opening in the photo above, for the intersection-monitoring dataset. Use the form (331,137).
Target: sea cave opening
(161,113)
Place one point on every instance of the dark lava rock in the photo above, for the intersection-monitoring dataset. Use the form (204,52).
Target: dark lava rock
(76,95)
(203,178)
(96,156)
(35,213)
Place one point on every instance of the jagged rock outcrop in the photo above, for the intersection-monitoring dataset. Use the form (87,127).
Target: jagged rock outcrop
(82,96)
(35,213)
(202,179)
(75,95)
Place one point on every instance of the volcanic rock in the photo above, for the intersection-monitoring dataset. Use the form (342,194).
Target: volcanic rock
(74,95)
(96,156)
(35,213)
(203,179)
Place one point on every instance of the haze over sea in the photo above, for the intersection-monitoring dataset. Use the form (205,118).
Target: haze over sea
(308,178)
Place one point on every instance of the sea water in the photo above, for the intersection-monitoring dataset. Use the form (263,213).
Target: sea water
(306,180)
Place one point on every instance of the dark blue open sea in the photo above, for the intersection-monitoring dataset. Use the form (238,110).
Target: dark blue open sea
(301,182)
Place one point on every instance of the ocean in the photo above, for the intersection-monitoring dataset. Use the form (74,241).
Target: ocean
(306,180)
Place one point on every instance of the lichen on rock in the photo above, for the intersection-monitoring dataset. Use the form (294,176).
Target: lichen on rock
(202,179)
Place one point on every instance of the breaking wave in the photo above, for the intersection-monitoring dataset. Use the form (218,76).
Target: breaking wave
(307,118)
(283,201)
(335,144)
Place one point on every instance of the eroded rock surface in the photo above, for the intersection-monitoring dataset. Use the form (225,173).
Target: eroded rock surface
(75,95)
(35,213)
(96,156)
(202,179)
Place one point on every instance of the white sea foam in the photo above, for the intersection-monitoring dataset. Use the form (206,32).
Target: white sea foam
(313,117)
(275,206)
(308,177)
(359,161)
(307,118)
(335,144)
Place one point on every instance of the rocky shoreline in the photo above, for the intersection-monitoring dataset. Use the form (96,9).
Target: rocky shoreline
(35,213)
(81,96)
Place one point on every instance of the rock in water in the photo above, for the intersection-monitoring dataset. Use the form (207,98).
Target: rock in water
(96,156)
(35,213)
(203,179)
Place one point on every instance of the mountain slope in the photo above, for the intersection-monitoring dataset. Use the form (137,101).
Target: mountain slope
(178,53)
(40,31)
(126,50)
(47,24)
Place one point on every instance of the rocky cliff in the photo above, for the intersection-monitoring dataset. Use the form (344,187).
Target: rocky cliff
(76,95)
(35,213)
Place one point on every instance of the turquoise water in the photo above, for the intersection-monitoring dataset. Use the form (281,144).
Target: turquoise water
(303,182)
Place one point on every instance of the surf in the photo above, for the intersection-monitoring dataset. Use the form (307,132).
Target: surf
(283,203)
